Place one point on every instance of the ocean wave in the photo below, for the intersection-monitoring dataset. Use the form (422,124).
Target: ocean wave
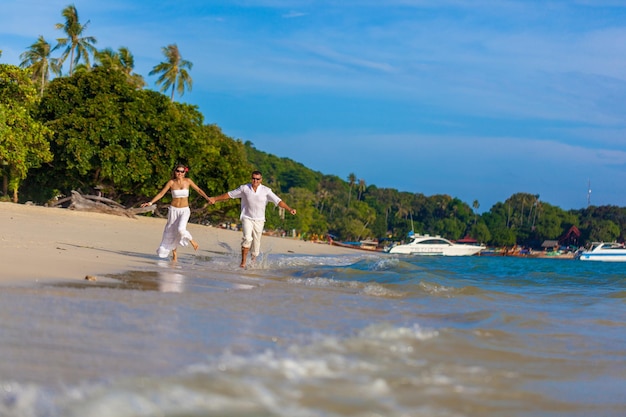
(371,289)
(324,376)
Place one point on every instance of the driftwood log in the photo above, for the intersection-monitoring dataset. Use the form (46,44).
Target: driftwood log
(101,205)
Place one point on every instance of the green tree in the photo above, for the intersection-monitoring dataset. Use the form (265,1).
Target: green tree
(552,222)
(475,206)
(497,220)
(450,228)
(480,232)
(381,200)
(603,231)
(503,236)
(596,223)
(126,141)
(173,72)
(37,59)
(322,196)
(354,222)
(77,46)
(301,199)
(362,188)
(351,182)
(122,60)
(24,142)
(110,135)
(218,164)
(366,215)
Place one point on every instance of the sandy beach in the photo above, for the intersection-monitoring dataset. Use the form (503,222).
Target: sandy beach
(41,243)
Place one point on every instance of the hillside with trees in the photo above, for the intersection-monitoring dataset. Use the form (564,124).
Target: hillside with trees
(98,129)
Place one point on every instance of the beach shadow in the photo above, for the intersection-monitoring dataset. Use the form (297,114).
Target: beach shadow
(132,280)
(149,256)
(140,255)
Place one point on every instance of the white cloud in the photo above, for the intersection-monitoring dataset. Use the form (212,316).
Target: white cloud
(293,14)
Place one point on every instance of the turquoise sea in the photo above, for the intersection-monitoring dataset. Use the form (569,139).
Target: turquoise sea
(363,335)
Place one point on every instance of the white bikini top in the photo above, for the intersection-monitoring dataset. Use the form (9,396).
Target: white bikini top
(180,193)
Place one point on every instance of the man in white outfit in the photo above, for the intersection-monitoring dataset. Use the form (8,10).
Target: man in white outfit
(254,198)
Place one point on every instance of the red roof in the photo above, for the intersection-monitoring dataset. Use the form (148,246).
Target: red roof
(467,239)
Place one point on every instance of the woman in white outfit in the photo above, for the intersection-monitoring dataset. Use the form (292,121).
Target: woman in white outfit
(175,232)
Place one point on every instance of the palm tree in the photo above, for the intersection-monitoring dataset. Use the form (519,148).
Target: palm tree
(37,58)
(322,195)
(107,58)
(127,60)
(533,207)
(173,71)
(476,206)
(537,207)
(76,46)
(361,188)
(123,61)
(351,182)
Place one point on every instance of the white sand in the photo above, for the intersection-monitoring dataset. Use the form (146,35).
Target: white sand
(40,243)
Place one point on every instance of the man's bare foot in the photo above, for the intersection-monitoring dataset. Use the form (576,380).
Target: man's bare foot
(194,244)
(174,255)
(244,256)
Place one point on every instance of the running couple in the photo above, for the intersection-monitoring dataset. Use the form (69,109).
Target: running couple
(254,198)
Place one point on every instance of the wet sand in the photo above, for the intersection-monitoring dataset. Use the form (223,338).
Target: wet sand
(41,243)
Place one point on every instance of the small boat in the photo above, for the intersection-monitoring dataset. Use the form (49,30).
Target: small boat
(368,245)
(606,252)
(557,254)
(434,246)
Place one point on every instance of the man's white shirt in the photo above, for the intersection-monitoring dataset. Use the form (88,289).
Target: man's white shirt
(253,203)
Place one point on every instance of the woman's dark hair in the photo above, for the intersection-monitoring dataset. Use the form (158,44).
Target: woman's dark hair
(179,166)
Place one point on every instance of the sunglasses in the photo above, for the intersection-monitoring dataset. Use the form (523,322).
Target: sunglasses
(256,179)
(180,171)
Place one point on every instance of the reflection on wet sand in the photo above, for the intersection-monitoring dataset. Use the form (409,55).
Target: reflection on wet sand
(166,280)
(170,281)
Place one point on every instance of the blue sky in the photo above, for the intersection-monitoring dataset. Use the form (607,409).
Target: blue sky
(475,99)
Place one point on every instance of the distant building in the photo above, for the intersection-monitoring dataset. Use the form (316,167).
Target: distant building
(571,238)
(550,244)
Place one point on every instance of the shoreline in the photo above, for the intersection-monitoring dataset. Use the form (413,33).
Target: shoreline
(47,244)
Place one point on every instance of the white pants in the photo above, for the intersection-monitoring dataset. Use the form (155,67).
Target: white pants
(252,231)
(175,232)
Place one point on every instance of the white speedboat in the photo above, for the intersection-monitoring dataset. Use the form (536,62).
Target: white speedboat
(607,252)
(434,245)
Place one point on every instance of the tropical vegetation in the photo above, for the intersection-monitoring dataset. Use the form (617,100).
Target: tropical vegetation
(98,128)
(77,47)
(174,74)
(37,58)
